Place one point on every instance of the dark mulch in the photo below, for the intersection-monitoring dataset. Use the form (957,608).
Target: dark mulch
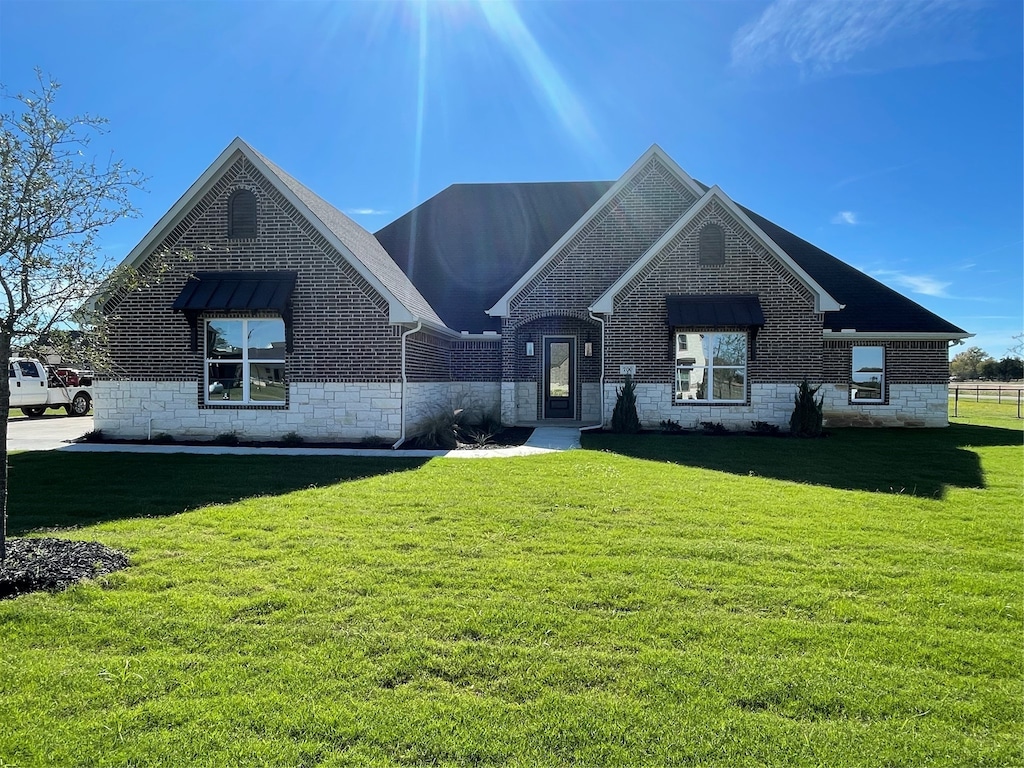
(34,565)
(509,437)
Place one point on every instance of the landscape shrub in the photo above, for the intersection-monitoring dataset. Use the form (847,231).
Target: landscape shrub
(292,440)
(624,416)
(439,429)
(714,428)
(807,416)
(226,438)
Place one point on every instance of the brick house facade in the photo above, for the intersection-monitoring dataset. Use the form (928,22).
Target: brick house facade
(717,313)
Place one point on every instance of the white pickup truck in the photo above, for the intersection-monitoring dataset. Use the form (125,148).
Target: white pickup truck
(35,387)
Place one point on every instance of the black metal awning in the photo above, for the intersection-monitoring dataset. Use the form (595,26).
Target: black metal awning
(742,310)
(715,311)
(234,292)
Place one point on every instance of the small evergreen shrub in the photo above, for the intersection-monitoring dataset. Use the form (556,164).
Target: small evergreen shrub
(92,436)
(714,428)
(670,427)
(807,416)
(292,440)
(764,428)
(624,416)
(164,438)
(226,438)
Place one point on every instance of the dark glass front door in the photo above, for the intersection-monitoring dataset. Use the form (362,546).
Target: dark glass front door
(559,374)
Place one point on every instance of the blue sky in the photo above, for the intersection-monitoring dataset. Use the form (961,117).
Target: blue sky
(888,133)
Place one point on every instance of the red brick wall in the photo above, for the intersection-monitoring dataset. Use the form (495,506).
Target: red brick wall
(476,360)
(906,362)
(431,357)
(597,255)
(788,347)
(340,326)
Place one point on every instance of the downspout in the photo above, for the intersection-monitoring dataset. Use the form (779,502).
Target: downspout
(601,385)
(405,379)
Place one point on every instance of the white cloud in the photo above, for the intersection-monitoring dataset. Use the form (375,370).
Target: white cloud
(845,217)
(365,212)
(828,36)
(923,284)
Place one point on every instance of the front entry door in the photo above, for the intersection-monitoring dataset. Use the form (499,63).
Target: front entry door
(559,375)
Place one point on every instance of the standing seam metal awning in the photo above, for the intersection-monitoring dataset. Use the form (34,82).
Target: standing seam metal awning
(236,291)
(715,311)
(741,310)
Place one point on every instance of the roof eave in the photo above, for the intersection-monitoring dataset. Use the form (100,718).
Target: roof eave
(848,333)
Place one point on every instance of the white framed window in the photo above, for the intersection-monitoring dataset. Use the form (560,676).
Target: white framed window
(867,379)
(711,367)
(245,361)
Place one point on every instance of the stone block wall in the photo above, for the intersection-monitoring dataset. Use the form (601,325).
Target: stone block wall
(908,405)
(426,398)
(771,403)
(316,411)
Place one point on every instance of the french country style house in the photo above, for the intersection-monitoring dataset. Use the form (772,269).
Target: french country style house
(532,300)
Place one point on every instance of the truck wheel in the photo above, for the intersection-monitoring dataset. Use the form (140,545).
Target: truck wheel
(34,411)
(80,404)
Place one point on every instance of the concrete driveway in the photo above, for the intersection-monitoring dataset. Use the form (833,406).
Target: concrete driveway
(46,433)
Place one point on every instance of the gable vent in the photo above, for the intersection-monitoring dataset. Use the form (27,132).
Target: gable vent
(242,215)
(712,245)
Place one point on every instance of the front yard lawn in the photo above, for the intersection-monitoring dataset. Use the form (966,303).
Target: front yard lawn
(681,600)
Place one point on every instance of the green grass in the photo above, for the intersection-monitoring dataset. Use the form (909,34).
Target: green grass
(653,600)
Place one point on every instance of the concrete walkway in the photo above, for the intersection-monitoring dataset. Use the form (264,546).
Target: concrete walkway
(47,433)
(543,440)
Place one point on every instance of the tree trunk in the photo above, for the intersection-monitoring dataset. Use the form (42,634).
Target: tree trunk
(5,412)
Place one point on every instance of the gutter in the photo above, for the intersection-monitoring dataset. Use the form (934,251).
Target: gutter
(405,379)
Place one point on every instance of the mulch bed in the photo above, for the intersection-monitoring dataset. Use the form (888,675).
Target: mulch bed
(52,565)
(509,437)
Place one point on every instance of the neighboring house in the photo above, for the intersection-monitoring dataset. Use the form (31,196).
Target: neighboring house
(535,300)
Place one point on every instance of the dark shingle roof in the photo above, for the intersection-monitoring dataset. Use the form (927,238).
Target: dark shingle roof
(870,305)
(468,244)
(361,244)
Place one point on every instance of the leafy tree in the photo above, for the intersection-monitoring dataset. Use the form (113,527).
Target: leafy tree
(54,199)
(988,369)
(1011,368)
(1017,350)
(624,416)
(966,364)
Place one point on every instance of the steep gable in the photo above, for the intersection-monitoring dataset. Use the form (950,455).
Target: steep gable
(606,241)
(337,233)
(468,244)
(756,241)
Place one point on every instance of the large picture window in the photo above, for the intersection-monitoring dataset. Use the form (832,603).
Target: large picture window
(245,362)
(711,367)
(867,383)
